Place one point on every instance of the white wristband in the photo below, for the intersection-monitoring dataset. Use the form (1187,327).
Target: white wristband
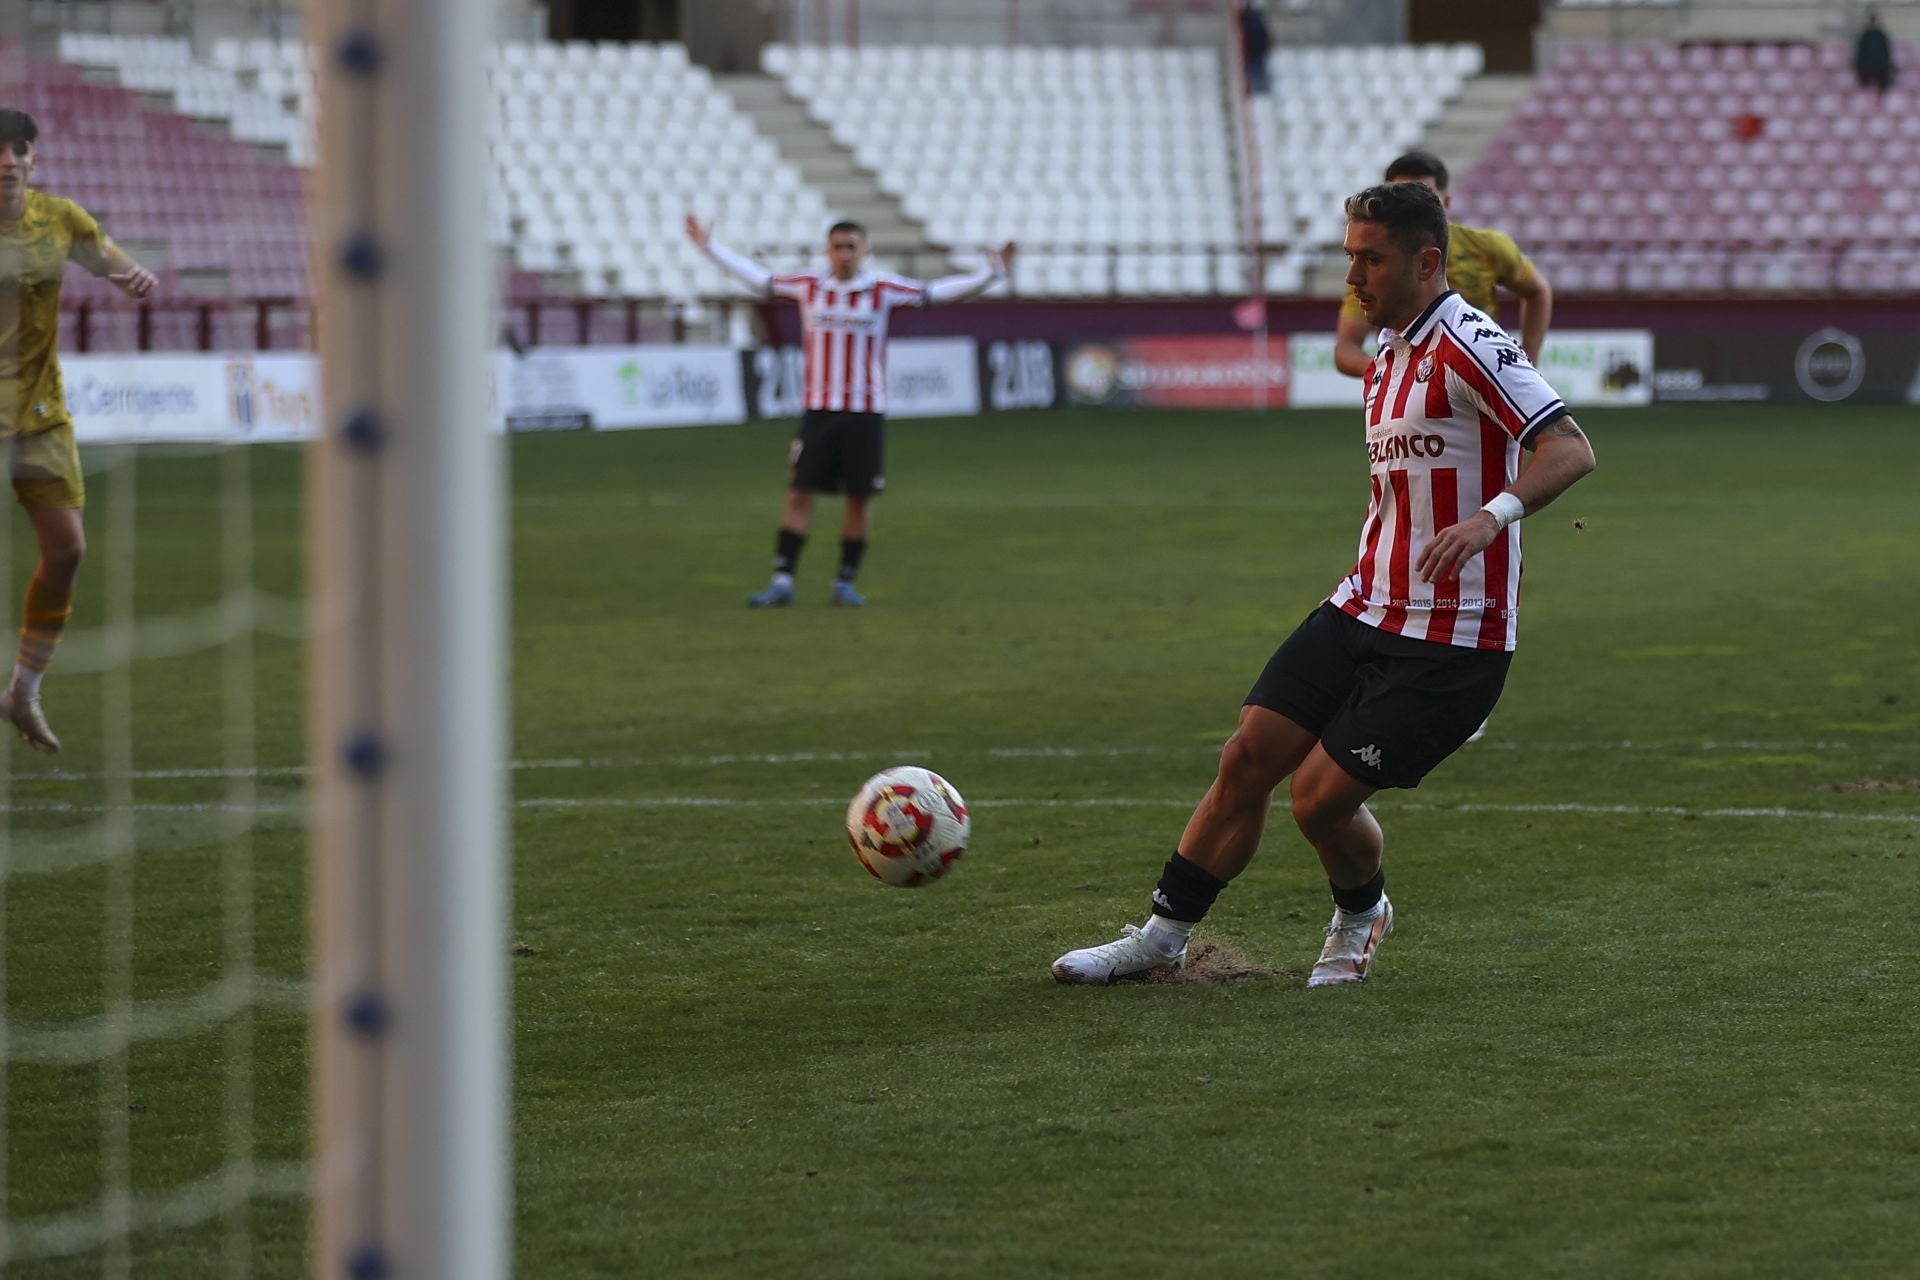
(1505,509)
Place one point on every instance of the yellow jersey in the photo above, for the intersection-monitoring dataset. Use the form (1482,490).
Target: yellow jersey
(33,257)
(1478,258)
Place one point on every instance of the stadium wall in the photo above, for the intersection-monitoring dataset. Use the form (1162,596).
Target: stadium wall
(249,397)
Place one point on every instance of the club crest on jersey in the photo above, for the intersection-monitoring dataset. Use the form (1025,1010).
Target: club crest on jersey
(1423,370)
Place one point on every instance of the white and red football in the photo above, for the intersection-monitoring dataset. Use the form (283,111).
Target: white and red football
(908,826)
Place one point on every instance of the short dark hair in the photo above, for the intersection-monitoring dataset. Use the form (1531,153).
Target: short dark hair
(1419,164)
(1411,212)
(17,126)
(839,227)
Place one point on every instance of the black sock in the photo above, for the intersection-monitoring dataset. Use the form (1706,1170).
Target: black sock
(1363,898)
(851,551)
(1186,891)
(786,552)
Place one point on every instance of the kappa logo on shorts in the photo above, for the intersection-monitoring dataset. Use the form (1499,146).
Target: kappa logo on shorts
(1369,755)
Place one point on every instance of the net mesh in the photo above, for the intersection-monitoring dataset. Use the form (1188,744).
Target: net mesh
(130,996)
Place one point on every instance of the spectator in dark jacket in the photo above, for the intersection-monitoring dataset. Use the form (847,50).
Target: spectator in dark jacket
(1255,42)
(1873,56)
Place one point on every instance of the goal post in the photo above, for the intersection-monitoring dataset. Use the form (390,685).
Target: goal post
(406,706)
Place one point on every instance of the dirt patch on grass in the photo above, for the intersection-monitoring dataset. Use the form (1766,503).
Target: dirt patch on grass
(1212,964)
(1874,784)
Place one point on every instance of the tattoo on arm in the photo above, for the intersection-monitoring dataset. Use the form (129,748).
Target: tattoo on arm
(1563,426)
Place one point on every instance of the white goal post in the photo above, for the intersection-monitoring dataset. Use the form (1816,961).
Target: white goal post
(407,723)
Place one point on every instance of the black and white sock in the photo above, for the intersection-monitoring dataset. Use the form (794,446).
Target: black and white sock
(1181,900)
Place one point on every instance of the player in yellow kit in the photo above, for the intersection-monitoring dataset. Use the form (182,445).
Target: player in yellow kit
(38,234)
(1478,260)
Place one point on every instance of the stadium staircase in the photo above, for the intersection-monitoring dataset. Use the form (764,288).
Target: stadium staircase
(825,165)
(1470,122)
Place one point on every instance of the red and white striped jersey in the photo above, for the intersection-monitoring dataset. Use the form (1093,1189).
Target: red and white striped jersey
(843,327)
(843,323)
(1448,405)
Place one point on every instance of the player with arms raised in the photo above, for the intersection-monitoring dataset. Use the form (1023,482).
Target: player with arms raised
(841,444)
(1389,675)
(38,234)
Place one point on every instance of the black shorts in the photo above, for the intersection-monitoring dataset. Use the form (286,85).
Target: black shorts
(1386,707)
(840,451)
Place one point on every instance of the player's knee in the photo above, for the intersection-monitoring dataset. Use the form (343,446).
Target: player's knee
(1317,809)
(1245,766)
(64,556)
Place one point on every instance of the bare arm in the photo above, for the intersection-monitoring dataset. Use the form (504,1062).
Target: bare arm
(1536,313)
(1349,345)
(105,258)
(739,266)
(1561,456)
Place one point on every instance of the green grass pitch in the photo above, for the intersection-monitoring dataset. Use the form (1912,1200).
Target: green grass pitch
(1649,1011)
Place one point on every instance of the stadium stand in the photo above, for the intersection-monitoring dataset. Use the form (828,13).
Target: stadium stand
(1075,152)
(1318,140)
(251,99)
(1708,168)
(581,187)
(222,215)
(1115,162)
(1632,167)
(577,187)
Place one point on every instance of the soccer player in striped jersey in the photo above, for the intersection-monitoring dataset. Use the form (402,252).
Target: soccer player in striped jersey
(1479,260)
(38,234)
(1388,676)
(841,445)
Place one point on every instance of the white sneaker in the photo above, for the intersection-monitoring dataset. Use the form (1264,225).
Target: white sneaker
(1351,942)
(22,711)
(1479,733)
(1129,954)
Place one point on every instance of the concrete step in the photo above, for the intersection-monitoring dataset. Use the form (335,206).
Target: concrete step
(749,91)
(827,167)
(1461,134)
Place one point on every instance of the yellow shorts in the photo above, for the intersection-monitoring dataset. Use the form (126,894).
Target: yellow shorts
(45,466)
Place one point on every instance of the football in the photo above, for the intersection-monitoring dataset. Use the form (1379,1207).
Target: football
(908,826)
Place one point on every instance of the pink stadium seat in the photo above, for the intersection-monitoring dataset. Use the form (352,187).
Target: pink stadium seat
(154,175)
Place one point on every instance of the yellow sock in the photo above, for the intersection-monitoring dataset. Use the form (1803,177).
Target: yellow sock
(46,615)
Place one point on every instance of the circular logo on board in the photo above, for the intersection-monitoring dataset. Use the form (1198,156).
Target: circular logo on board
(1092,375)
(1830,365)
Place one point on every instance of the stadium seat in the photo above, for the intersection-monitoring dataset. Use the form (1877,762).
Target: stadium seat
(1666,116)
(1062,130)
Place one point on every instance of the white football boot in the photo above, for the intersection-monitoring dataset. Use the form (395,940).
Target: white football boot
(1127,955)
(22,711)
(1351,942)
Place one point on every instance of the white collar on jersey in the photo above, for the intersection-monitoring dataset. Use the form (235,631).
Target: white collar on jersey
(1416,333)
(865,280)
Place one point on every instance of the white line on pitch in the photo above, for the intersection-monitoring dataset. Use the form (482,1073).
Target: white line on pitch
(922,753)
(1091,802)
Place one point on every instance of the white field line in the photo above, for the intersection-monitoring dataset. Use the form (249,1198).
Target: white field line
(1091,802)
(906,754)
